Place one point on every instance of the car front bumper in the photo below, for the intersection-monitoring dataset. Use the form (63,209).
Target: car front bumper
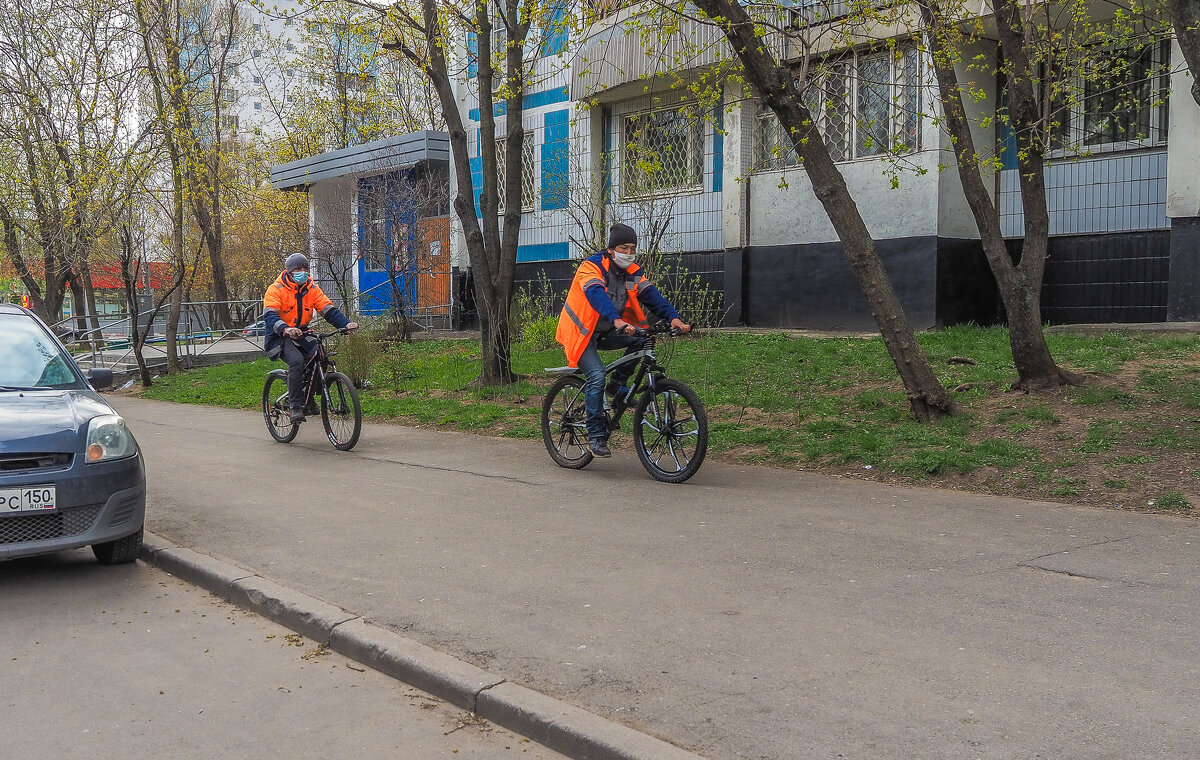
(95,503)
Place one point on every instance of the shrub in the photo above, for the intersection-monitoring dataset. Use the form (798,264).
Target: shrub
(357,356)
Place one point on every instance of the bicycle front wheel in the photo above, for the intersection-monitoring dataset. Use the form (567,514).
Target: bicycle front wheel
(340,411)
(564,423)
(275,409)
(670,431)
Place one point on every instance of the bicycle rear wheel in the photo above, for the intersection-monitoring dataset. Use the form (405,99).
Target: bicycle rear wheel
(275,409)
(340,411)
(670,431)
(564,423)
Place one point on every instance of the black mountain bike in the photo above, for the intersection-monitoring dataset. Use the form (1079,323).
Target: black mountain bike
(323,386)
(670,429)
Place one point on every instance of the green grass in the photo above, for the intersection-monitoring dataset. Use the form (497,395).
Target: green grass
(824,402)
(1173,501)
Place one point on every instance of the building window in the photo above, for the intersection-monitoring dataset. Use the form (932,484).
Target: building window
(864,105)
(257,106)
(229,123)
(1121,104)
(663,151)
(375,210)
(528,169)
(258,80)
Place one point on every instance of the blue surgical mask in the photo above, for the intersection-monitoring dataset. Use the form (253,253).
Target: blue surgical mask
(300,277)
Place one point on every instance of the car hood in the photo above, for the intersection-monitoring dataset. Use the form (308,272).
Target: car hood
(46,421)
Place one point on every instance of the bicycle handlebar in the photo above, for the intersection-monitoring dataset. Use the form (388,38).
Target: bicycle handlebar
(322,336)
(661,328)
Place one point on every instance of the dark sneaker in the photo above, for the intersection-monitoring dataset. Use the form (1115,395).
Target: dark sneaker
(599,448)
(297,417)
(312,409)
(615,390)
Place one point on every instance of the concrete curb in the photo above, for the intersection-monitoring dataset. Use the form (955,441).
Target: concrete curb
(560,726)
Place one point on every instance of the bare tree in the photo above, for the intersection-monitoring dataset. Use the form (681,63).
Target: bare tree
(427,37)
(781,88)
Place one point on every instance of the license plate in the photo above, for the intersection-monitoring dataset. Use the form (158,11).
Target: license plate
(28,499)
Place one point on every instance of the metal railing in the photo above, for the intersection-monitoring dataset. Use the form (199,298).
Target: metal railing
(109,343)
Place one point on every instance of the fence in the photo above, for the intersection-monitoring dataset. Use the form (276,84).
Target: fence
(110,343)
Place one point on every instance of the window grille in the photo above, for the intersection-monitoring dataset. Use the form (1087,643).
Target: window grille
(1120,104)
(663,151)
(528,169)
(863,105)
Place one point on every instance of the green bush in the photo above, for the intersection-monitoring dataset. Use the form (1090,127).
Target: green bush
(533,318)
(357,354)
(537,334)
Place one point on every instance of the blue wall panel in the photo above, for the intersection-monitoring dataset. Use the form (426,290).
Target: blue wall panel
(400,228)
(543,252)
(554,160)
(532,100)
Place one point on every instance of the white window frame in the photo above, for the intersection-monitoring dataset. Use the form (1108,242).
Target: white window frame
(528,173)
(375,217)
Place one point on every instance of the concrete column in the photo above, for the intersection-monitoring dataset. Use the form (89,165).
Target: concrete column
(739,160)
(1183,143)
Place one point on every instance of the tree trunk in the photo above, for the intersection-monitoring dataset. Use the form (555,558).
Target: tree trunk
(173,313)
(129,280)
(1035,366)
(1185,17)
(1021,295)
(492,263)
(94,337)
(926,396)
(208,219)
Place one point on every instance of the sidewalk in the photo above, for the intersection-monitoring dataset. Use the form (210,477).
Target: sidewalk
(749,613)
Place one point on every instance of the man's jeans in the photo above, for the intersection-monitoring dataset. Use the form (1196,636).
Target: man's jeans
(296,354)
(593,370)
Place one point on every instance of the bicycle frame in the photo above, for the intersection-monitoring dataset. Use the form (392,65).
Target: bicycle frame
(315,370)
(643,378)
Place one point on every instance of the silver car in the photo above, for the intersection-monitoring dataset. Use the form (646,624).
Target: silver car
(71,473)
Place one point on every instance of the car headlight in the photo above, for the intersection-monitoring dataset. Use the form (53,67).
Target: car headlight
(108,438)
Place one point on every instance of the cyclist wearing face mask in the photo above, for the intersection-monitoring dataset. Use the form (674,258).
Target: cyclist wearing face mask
(288,306)
(605,306)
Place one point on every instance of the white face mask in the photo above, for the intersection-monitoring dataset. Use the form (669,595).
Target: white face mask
(623,260)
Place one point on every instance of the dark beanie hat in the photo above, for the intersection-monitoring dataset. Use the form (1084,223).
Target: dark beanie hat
(620,234)
(296,261)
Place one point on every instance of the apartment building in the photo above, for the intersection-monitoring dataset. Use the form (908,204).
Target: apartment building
(613,136)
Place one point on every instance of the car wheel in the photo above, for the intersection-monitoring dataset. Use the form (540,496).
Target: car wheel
(120,551)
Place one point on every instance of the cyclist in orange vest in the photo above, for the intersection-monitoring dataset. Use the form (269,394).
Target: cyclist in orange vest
(288,306)
(604,309)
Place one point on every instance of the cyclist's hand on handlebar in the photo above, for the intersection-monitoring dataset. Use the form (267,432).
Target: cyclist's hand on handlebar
(624,327)
(351,327)
(679,327)
(293,332)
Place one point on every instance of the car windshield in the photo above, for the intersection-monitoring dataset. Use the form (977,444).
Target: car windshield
(29,357)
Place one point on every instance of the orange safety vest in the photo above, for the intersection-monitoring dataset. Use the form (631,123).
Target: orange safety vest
(295,305)
(577,321)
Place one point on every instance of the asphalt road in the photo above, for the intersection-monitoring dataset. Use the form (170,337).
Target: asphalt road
(749,613)
(130,662)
